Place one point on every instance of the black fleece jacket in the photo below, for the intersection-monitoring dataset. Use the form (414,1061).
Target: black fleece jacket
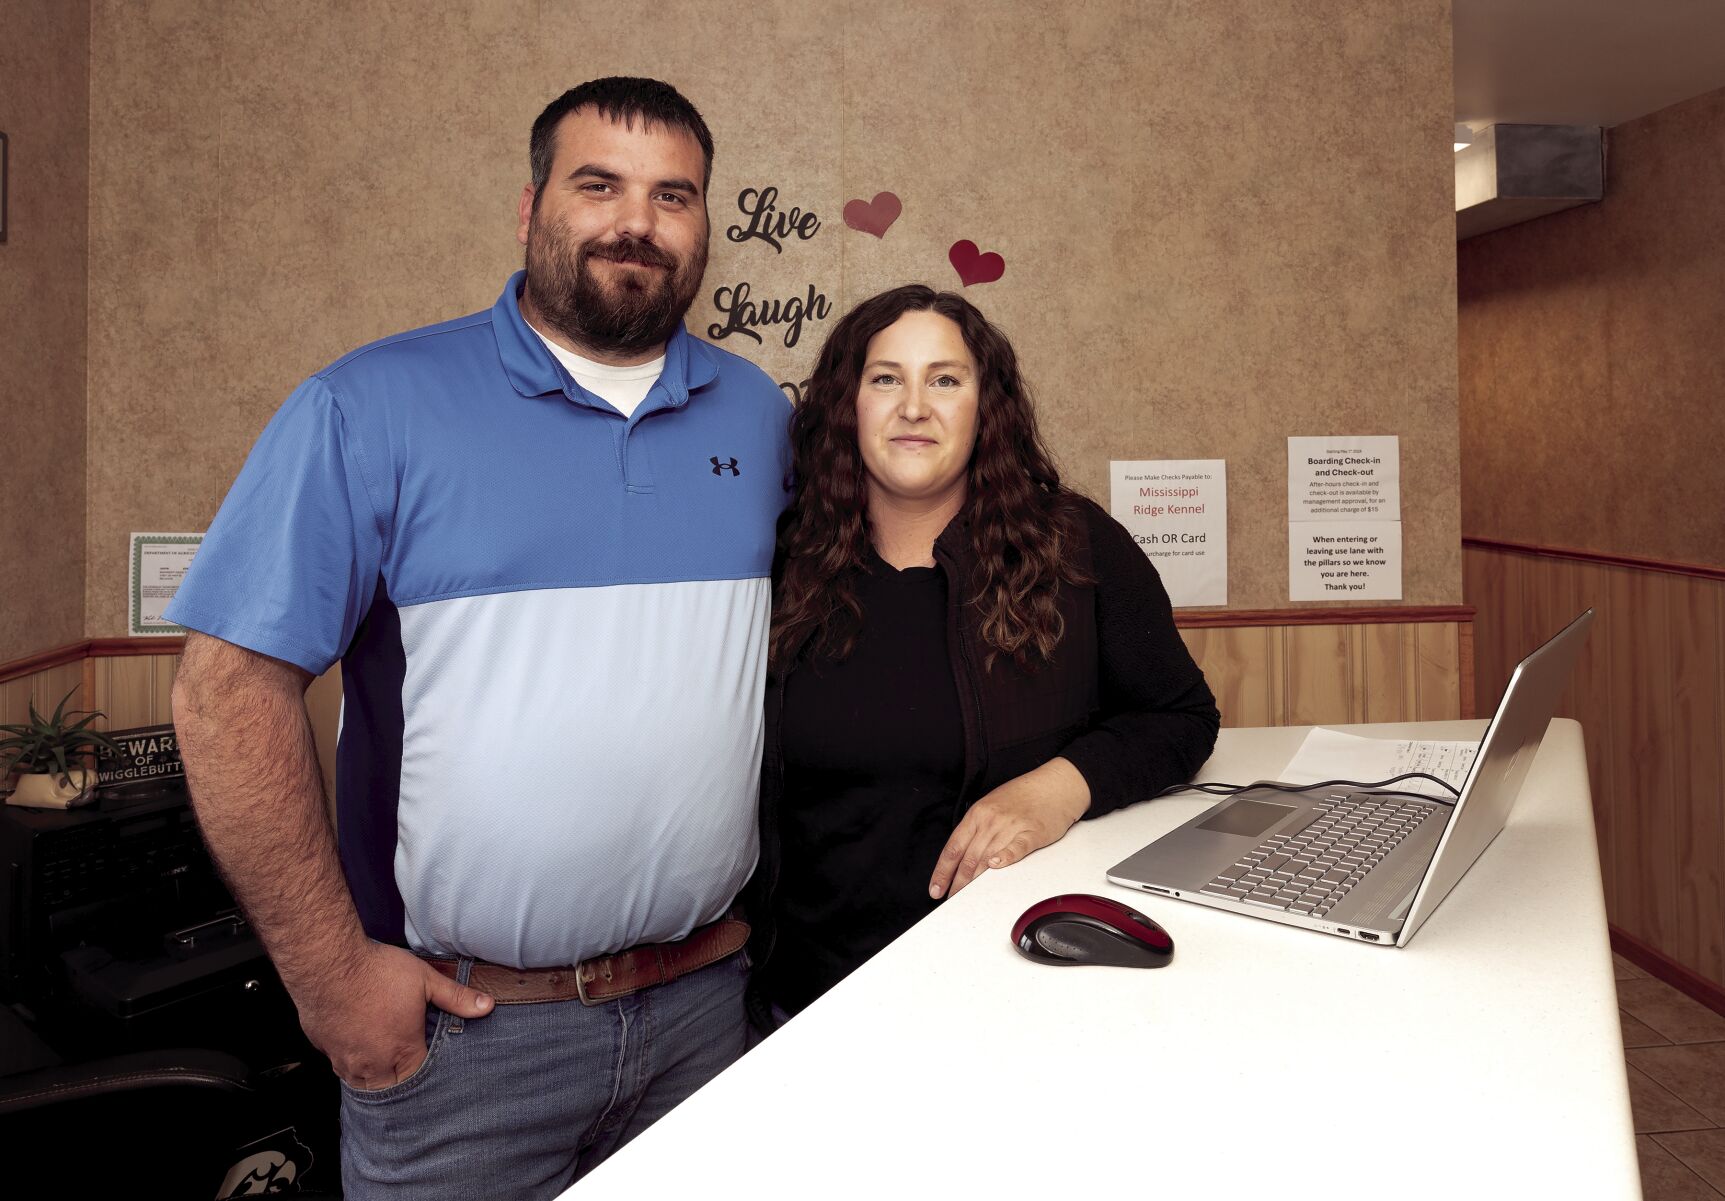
(1122,699)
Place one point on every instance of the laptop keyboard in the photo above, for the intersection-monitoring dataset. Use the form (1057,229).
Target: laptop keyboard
(1309,870)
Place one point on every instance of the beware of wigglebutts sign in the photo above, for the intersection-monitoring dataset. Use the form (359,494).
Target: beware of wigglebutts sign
(148,755)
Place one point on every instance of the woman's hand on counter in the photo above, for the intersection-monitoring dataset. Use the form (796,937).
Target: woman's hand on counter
(1022,815)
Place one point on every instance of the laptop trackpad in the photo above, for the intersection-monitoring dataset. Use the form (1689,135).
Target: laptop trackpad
(1250,818)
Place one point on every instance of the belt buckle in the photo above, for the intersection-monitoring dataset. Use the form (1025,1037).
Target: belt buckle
(582,979)
(581,984)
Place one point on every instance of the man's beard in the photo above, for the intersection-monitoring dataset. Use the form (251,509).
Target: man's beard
(636,311)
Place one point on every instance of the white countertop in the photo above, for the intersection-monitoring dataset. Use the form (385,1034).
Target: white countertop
(1482,1060)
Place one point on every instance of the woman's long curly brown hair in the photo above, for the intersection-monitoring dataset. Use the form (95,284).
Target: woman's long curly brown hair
(1021,522)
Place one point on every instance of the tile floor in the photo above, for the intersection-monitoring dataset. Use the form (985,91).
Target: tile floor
(1676,1052)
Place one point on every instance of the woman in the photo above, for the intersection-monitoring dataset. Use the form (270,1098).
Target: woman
(965,657)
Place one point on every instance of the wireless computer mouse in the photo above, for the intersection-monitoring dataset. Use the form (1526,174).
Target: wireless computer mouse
(1079,928)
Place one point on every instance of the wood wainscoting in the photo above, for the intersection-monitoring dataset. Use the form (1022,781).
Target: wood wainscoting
(1308,667)
(1268,668)
(1649,692)
(131,681)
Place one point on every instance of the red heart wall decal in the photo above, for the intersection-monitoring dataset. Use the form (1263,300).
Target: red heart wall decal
(972,266)
(873,216)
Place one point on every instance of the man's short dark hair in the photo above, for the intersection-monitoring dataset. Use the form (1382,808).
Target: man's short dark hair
(621,98)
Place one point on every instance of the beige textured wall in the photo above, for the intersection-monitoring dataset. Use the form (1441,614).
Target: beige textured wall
(44,97)
(1591,375)
(1223,223)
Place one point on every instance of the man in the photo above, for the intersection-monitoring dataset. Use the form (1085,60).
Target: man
(538,539)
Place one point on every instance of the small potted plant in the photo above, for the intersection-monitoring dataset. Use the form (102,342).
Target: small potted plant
(51,756)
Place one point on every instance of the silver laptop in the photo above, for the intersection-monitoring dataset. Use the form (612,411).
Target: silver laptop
(1370,865)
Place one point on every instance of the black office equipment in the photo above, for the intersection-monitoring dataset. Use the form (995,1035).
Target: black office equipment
(116,930)
(82,873)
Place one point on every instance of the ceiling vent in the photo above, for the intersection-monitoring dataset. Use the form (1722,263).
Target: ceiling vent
(1514,173)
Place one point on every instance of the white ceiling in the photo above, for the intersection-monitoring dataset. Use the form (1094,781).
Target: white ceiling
(1583,62)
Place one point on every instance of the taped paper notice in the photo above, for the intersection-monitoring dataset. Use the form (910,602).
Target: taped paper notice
(1345,560)
(1177,511)
(1344,518)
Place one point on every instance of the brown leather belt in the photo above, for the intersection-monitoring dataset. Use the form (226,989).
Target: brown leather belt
(606,977)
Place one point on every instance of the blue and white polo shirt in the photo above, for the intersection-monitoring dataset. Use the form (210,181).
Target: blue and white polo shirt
(552,623)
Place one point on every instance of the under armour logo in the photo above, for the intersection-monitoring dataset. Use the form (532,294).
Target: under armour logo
(719,468)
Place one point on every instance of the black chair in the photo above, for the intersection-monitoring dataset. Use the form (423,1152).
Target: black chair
(173,1123)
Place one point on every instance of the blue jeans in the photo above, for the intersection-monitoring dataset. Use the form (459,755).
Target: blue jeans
(526,1100)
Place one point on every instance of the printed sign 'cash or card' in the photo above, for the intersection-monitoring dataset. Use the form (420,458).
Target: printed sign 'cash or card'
(1177,511)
